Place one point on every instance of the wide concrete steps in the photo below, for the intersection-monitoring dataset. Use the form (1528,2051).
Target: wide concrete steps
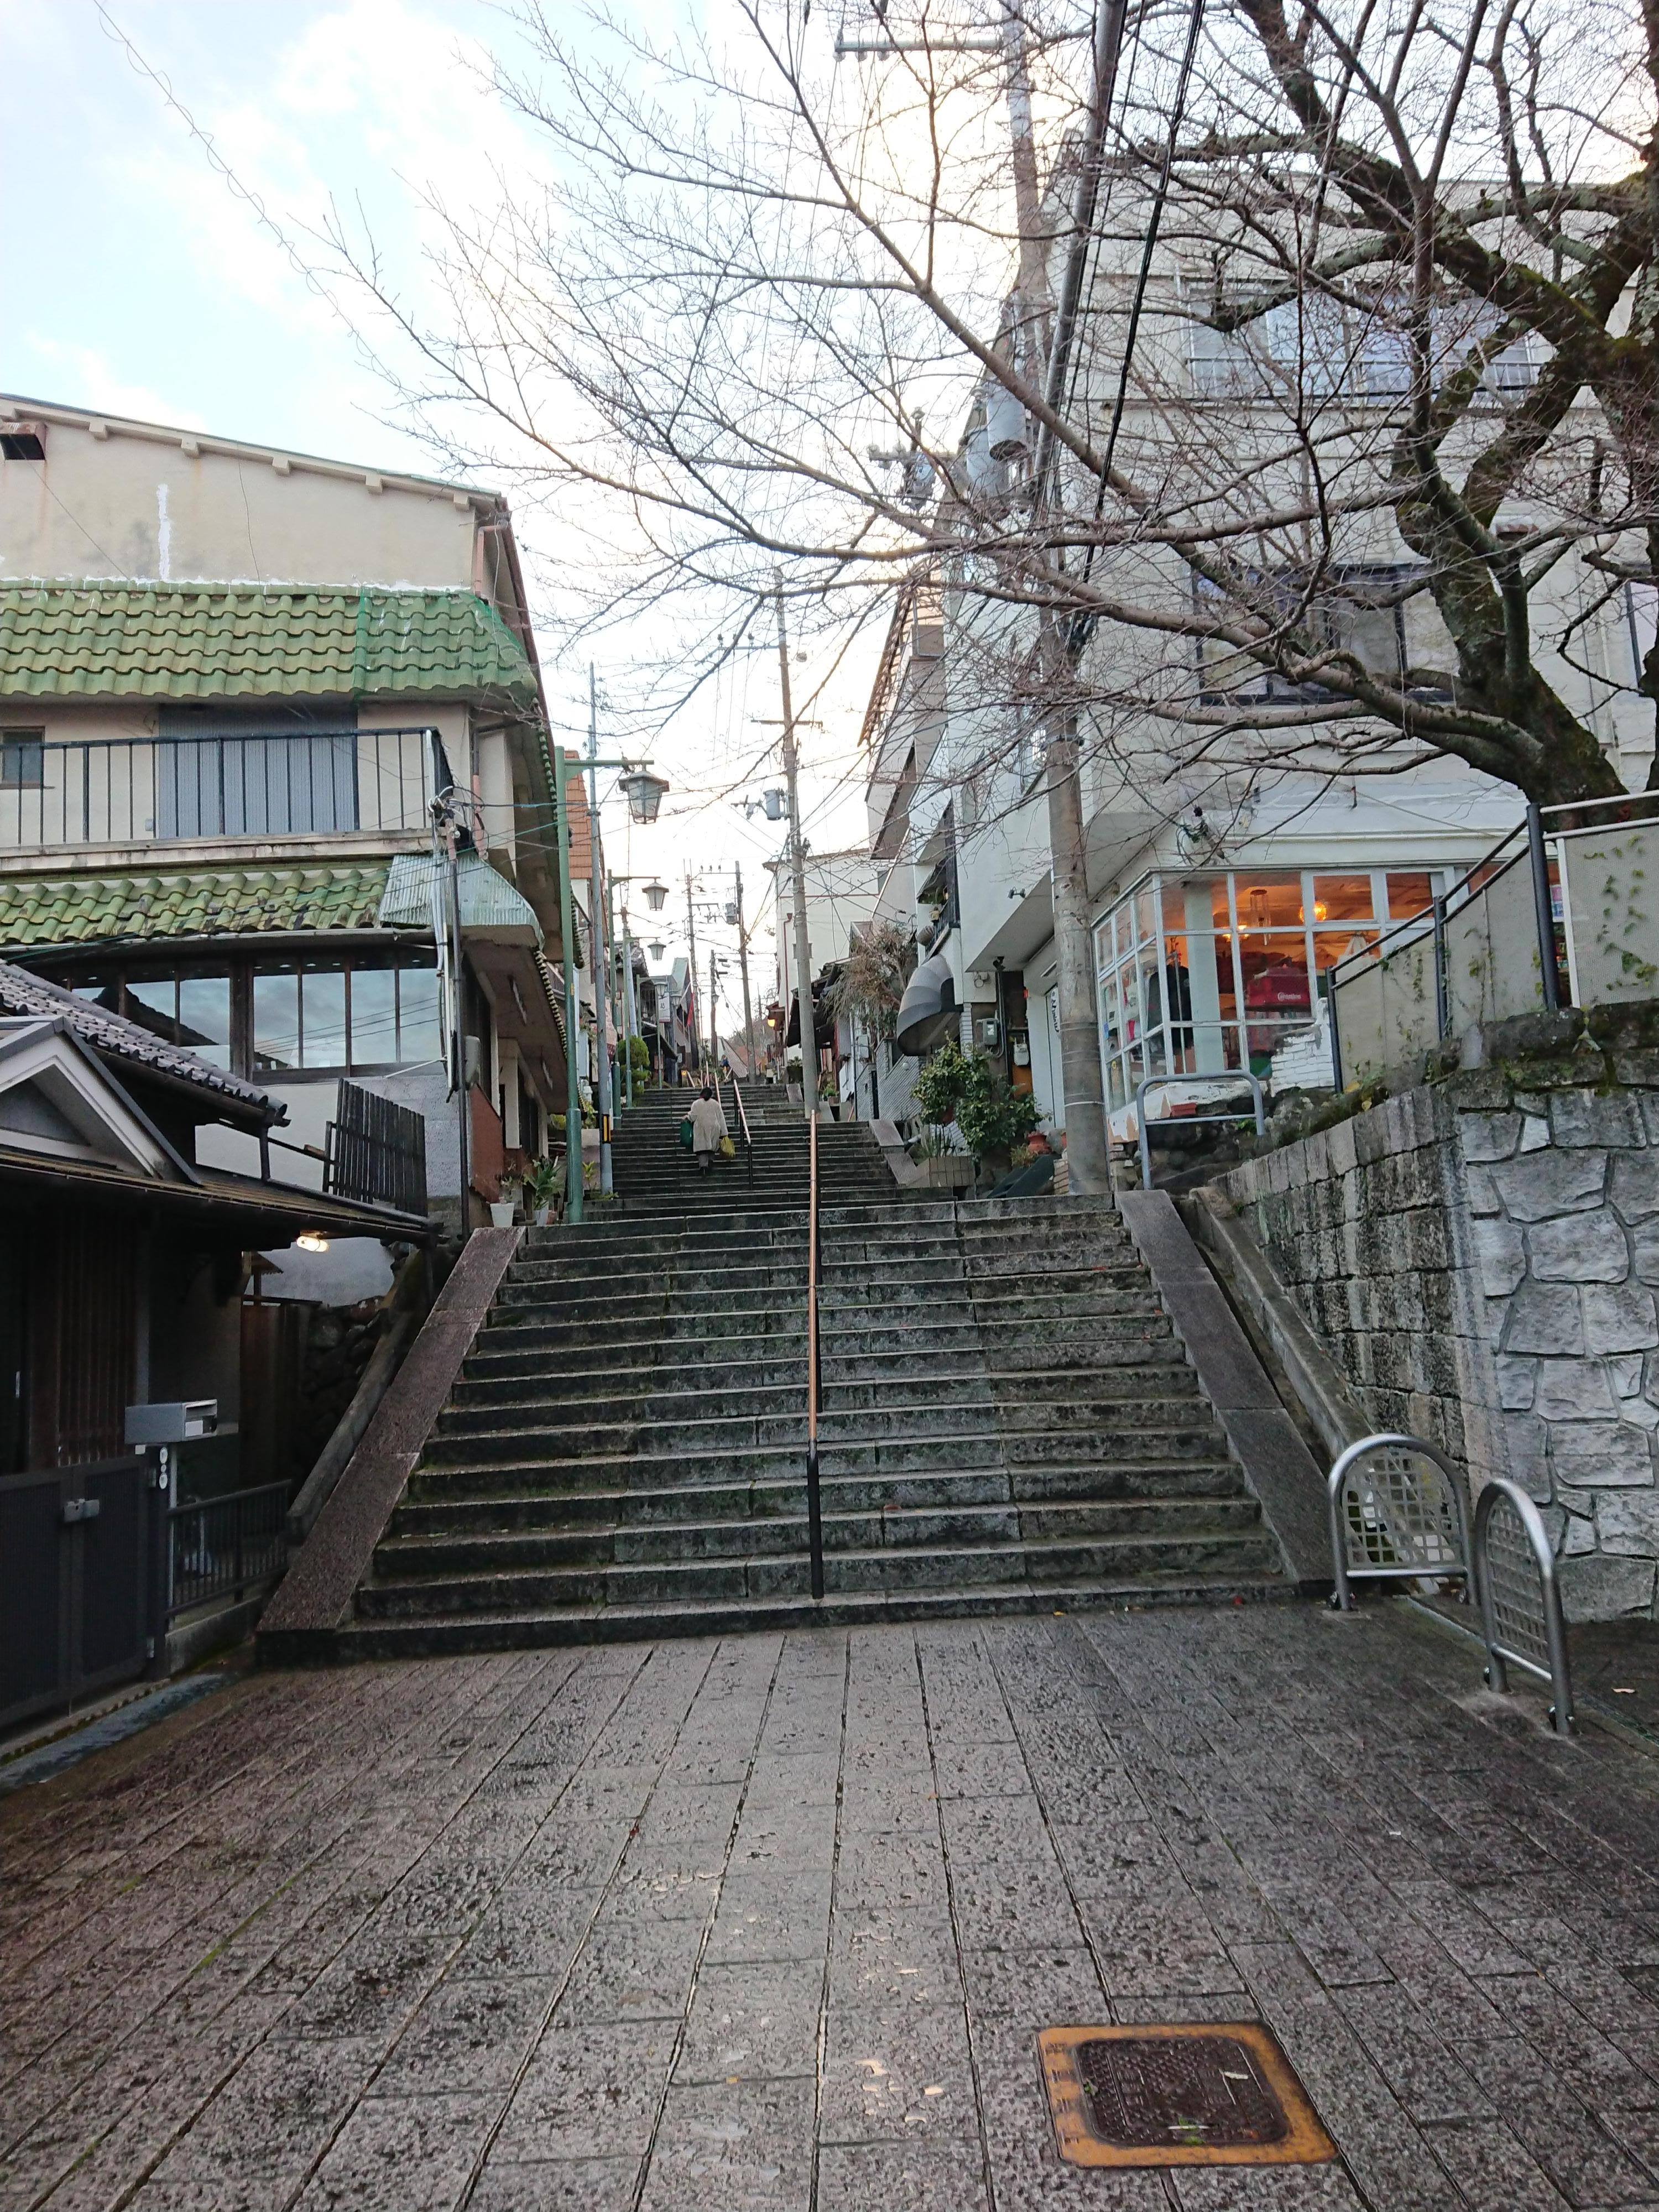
(1196,1555)
(1006,1421)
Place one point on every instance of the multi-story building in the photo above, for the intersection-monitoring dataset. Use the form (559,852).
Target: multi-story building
(233,682)
(1238,843)
(840,899)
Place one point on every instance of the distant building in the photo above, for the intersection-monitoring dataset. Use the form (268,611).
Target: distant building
(840,898)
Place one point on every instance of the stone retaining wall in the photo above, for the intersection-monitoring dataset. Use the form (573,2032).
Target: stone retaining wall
(1481,1254)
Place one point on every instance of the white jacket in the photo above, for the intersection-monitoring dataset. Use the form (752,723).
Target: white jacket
(708,1124)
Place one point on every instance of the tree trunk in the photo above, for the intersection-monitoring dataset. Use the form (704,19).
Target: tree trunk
(1089,1170)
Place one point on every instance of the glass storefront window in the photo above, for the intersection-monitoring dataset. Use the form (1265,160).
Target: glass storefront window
(1269,902)
(1409,894)
(373,1017)
(419,1031)
(276,1021)
(204,1016)
(323,1017)
(1200,974)
(1342,898)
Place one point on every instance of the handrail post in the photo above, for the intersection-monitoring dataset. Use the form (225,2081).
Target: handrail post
(814,1501)
(1441,994)
(1543,910)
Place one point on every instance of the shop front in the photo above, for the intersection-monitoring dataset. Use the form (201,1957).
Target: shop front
(1203,975)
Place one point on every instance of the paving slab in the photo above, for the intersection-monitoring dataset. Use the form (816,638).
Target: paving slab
(775,1920)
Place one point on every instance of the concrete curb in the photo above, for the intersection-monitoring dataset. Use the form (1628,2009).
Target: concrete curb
(1277,1464)
(313,1601)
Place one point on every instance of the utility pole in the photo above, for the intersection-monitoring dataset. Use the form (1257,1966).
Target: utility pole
(743,960)
(573,1097)
(1035,341)
(809,1043)
(691,967)
(601,957)
(714,1015)
(628,1007)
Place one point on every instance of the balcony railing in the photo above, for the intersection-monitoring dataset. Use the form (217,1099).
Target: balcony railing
(140,791)
(1561,912)
(376,1151)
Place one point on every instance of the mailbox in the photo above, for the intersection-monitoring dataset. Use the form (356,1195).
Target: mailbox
(175,1423)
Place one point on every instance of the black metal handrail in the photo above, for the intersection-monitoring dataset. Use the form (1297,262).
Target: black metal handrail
(814,1497)
(743,1123)
(222,1546)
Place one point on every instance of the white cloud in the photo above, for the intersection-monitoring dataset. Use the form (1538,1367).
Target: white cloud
(86,378)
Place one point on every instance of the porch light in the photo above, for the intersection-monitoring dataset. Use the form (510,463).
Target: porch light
(654,896)
(312,1240)
(645,794)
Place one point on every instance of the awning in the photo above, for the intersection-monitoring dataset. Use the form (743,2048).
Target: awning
(491,909)
(927,1013)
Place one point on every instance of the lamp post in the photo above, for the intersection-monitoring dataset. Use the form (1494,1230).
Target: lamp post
(645,793)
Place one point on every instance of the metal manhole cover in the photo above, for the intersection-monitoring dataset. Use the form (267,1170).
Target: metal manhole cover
(1219,2093)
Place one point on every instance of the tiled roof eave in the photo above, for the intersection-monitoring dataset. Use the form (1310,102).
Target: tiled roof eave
(200,641)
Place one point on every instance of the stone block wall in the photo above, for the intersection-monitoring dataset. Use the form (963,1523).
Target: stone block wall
(1481,1254)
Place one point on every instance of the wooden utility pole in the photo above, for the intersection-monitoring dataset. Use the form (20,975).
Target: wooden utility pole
(743,961)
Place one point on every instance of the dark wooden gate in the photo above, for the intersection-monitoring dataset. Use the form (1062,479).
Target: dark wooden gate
(80,1600)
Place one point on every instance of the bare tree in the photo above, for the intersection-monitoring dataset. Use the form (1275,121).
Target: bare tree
(1318,416)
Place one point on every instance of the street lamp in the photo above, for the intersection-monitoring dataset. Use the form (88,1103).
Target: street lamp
(657,949)
(655,895)
(645,794)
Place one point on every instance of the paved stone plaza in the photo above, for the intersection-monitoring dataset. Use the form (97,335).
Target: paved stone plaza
(773,1921)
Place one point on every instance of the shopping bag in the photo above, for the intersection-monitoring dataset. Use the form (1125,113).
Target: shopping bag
(685,1133)
(728,1150)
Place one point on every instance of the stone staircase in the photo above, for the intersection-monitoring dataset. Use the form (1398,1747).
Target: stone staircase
(655,1175)
(1007,1422)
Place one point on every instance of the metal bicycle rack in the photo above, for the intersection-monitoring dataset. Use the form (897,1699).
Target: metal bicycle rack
(1233,1075)
(1520,1598)
(1395,1519)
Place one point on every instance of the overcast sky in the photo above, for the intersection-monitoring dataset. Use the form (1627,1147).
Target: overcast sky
(136,279)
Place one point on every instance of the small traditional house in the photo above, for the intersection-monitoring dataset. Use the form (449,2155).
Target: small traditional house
(123,1255)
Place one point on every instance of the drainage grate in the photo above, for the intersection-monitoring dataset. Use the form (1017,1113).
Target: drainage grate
(1211,2094)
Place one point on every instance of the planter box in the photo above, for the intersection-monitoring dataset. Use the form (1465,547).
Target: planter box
(954,1171)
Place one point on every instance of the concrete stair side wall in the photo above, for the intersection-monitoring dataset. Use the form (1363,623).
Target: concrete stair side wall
(1479,1256)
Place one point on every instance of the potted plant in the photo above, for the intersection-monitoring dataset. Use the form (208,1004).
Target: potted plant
(944,1166)
(502,1207)
(541,1191)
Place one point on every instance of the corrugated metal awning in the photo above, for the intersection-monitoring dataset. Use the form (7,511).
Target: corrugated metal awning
(927,1013)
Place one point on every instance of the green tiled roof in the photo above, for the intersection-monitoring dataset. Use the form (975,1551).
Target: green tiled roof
(182,642)
(36,912)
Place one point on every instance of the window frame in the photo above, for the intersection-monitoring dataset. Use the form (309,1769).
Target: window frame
(241,966)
